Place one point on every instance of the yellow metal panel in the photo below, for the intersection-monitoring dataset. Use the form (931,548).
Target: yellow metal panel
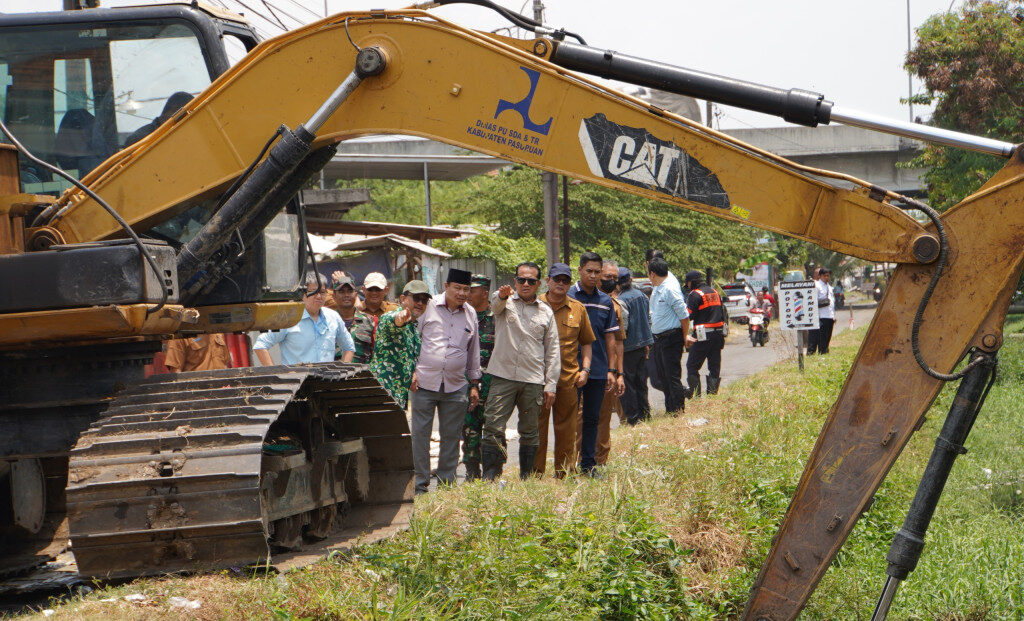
(82,324)
(244,317)
(446,83)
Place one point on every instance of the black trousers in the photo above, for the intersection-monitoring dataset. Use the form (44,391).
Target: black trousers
(635,405)
(709,350)
(668,359)
(821,337)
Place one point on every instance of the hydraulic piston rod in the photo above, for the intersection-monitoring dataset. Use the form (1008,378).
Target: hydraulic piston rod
(794,105)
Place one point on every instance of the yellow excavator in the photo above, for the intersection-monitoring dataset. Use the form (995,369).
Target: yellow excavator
(181,228)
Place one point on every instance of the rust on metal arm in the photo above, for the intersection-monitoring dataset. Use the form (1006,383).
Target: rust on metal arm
(887,394)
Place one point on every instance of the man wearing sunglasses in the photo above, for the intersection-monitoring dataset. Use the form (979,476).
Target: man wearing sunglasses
(601,376)
(397,347)
(449,356)
(318,335)
(375,288)
(524,369)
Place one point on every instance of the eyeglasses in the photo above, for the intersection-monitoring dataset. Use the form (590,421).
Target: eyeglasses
(320,293)
(526,281)
(421,298)
(562,280)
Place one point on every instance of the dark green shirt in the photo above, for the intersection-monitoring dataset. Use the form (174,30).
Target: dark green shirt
(485,324)
(396,351)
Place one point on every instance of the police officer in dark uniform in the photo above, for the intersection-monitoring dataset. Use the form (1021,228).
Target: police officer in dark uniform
(707,336)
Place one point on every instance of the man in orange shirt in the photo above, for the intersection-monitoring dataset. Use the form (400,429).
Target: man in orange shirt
(205,352)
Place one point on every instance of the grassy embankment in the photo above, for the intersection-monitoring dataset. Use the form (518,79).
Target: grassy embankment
(676,528)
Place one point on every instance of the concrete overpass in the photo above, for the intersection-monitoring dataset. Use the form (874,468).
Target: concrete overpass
(867,155)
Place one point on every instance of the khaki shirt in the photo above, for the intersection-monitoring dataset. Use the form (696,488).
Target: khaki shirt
(525,342)
(385,307)
(574,330)
(205,352)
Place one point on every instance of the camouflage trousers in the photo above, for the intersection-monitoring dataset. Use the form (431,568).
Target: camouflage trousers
(473,427)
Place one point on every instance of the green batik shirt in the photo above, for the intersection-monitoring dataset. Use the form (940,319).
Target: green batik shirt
(362,328)
(395,353)
(485,323)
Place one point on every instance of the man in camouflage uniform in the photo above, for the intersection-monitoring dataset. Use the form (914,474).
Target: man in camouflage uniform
(362,326)
(479,298)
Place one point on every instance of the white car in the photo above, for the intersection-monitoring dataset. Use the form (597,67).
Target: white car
(737,298)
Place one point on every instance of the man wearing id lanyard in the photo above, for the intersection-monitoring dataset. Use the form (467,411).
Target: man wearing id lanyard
(708,338)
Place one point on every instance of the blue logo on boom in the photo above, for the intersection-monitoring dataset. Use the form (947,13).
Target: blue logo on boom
(523,106)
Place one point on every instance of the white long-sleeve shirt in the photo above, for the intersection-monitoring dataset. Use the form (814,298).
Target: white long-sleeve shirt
(825,290)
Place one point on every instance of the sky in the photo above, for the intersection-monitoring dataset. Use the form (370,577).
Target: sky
(852,52)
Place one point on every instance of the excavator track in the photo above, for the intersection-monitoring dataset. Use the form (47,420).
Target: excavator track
(194,471)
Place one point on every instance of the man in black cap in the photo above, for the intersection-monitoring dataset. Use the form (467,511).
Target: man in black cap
(447,377)
(708,337)
(362,326)
(472,428)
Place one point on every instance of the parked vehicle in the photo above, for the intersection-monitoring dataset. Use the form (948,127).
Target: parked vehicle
(737,298)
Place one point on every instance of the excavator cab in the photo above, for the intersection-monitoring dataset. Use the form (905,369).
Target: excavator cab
(78,86)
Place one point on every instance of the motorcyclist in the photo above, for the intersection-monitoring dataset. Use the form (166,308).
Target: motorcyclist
(764,304)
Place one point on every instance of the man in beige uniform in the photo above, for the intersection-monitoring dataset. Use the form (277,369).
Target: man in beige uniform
(524,369)
(205,352)
(575,336)
(609,284)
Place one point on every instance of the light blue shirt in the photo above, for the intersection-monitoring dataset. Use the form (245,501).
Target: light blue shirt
(668,307)
(308,340)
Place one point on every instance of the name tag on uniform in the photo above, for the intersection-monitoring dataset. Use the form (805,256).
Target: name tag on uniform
(702,333)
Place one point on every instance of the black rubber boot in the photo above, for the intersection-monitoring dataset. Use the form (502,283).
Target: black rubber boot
(693,386)
(472,470)
(713,383)
(527,455)
(493,461)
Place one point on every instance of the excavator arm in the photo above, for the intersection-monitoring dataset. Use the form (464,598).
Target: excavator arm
(506,98)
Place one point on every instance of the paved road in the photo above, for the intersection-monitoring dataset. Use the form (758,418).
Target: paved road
(739,360)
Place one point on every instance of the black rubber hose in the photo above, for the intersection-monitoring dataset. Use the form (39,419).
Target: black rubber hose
(102,203)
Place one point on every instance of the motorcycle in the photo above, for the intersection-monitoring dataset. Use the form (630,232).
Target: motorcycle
(757,327)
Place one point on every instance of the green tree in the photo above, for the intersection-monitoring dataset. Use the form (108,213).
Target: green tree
(972,65)
(506,252)
(615,224)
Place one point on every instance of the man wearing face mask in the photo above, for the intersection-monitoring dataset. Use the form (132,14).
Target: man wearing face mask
(609,285)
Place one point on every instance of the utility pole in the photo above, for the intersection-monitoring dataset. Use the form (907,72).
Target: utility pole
(565,220)
(549,185)
(709,109)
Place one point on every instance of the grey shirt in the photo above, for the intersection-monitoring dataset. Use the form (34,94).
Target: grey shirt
(526,345)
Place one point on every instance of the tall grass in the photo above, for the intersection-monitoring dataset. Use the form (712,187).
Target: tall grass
(677,527)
